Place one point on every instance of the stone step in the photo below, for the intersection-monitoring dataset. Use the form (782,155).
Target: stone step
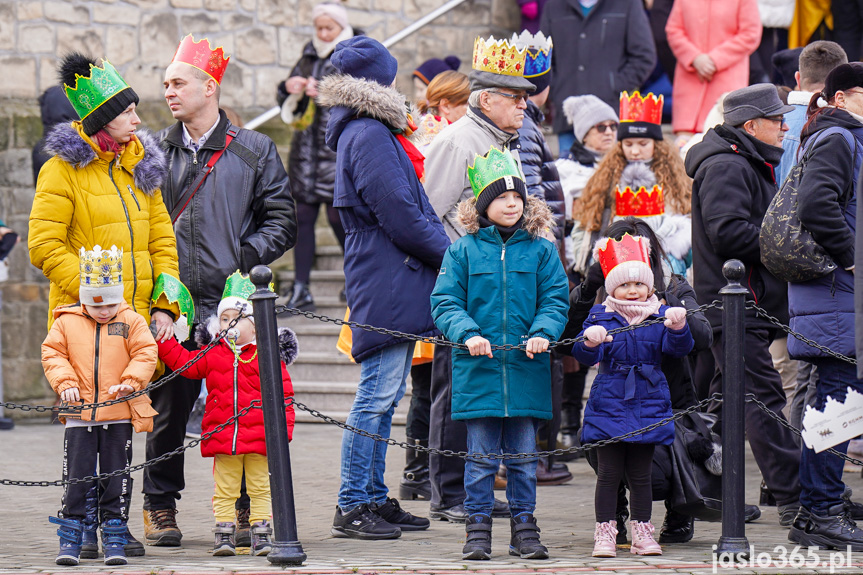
(324,366)
(335,399)
(323,283)
(329,306)
(329,258)
(315,336)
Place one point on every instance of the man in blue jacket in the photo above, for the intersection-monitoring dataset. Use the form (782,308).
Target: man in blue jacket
(394,245)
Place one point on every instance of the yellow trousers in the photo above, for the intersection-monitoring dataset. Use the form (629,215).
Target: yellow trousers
(228,474)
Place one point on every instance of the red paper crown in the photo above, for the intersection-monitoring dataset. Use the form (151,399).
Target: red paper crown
(202,57)
(641,203)
(611,253)
(637,109)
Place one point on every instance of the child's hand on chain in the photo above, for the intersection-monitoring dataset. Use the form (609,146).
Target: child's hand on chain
(70,394)
(479,345)
(536,345)
(675,318)
(595,335)
(121,390)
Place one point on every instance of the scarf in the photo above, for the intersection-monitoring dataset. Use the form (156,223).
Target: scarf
(633,311)
(324,49)
(505,232)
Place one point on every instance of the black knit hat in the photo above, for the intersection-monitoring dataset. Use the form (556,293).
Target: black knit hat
(639,130)
(497,188)
(842,78)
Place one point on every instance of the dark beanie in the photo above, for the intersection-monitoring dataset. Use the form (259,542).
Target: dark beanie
(431,68)
(786,63)
(365,58)
(639,130)
(842,78)
(497,188)
(541,82)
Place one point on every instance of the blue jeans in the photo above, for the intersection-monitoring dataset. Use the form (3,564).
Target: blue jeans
(565,140)
(821,483)
(500,435)
(382,385)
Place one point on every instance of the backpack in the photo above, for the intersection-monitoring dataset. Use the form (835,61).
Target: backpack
(788,250)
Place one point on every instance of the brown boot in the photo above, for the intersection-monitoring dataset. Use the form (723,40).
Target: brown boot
(160,528)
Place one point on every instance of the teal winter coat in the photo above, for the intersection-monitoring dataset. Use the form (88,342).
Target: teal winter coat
(507,293)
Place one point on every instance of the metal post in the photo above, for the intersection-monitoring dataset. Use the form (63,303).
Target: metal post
(733,540)
(287,549)
(5,422)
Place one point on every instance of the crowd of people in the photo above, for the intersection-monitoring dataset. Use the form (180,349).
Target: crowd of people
(460,221)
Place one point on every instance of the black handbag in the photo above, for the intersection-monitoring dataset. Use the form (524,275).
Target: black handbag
(694,491)
(788,250)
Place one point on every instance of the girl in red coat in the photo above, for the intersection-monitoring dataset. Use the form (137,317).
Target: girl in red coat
(233,382)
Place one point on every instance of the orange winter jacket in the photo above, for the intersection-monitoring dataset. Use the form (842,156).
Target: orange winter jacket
(79,352)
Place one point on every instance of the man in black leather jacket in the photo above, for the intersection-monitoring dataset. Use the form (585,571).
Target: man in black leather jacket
(242,215)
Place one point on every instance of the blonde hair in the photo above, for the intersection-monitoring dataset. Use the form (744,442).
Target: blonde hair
(450,85)
(666,166)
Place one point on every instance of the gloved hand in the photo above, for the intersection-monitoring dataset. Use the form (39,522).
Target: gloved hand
(675,318)
(530,10)
(595,335)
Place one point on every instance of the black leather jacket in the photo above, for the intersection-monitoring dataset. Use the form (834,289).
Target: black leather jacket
(242,215)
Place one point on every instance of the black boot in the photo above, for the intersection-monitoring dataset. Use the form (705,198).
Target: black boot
(477,544)
(676,528)
(622,514)
(524,541)
(301,297)
(133,547)
(836,530)
(415,483)
(766,499)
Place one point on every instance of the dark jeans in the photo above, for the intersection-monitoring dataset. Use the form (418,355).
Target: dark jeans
(164,481)
(821,473)
(304,250)
(773,445)
(634,461)
(112,446)
(417,425)
(446,473)
(848,26)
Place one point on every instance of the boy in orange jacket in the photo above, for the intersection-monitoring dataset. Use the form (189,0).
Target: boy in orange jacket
(99,349)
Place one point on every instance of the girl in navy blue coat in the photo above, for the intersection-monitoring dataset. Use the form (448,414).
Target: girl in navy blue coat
(630,392)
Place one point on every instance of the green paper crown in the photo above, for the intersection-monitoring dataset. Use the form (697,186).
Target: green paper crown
(239,286)
(490,168)
(89,93)
(175,292)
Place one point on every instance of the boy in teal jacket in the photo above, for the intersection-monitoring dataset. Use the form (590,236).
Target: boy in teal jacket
(502,283)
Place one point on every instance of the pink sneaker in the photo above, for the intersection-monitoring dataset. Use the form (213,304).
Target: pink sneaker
(643,542)
(604,539)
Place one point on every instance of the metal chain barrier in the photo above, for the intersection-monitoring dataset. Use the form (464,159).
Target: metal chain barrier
(283,309)
(66,408)
(760,311)
(502,456)
(256,404)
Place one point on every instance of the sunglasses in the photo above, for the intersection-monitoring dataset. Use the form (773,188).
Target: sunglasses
(516,97)
(601,128)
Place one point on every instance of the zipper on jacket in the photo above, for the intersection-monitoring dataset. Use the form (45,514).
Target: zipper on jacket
(194,156)
(134,197)
(131,235)
(602,32)
(505,312)
(236,424)
(96,370)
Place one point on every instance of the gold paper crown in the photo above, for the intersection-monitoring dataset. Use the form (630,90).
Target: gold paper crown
(498,57)
(100,267)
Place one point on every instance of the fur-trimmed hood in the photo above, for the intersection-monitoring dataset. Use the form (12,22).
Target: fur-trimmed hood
(365,97)
(537,216)
(65,141)
(289,347)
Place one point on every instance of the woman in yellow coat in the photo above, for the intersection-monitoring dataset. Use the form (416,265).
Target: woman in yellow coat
(101,187)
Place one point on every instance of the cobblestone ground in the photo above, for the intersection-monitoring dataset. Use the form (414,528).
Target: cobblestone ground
(565,513)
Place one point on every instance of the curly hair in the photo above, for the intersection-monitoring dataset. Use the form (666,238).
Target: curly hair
(667,167)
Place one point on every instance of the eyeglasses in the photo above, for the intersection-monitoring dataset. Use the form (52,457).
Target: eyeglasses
(853,91)
(601,128)
(780,119)
(516,97)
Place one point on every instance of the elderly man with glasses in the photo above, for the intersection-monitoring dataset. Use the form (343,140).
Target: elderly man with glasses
(734,173)
(496,109)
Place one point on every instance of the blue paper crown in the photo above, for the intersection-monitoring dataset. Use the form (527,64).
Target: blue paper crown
(538,61)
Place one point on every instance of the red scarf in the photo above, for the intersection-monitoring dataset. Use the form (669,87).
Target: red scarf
(415,156)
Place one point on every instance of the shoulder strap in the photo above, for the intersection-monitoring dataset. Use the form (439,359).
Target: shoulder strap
(190,191)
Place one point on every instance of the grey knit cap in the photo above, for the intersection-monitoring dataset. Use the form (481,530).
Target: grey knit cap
(751,102)
(584,112)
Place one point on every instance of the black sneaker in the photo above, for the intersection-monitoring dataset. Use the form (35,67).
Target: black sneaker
(855,510)
(363,523)
(836,530)
(525,542)
(477,544)
(392,513)
(787,513)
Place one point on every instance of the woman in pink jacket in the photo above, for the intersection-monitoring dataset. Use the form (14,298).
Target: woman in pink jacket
(712,40)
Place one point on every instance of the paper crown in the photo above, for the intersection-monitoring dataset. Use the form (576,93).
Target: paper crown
(100,267)
(239,286)
(171,290)
(495,165)
(202,57)
(498,57)
(538,60)
(611,253)
(641,203)
(636,108)
(92,91)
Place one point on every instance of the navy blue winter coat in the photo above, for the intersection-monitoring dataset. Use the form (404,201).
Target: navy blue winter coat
(630,391)
(540,171)
(823,309)
(394,242)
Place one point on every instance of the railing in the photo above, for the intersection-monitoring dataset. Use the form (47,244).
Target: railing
(274,111)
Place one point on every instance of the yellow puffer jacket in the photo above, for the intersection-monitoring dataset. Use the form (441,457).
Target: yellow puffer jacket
(85,197)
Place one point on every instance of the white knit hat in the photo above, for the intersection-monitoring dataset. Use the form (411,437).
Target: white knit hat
(584,112)
(629,272)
